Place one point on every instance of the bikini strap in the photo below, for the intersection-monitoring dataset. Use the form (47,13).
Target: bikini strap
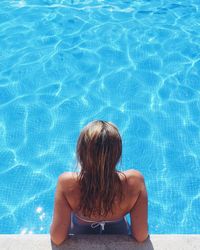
(96,224)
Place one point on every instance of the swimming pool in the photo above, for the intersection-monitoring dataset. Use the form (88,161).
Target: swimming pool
(65,63)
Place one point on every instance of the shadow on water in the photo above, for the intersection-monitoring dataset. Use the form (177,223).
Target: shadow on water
(103,242)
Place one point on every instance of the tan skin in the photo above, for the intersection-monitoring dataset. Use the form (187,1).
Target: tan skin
(67,200)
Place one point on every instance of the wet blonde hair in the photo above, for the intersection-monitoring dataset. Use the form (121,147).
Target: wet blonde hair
(99,149)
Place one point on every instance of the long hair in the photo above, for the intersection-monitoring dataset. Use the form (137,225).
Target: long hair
(99,149)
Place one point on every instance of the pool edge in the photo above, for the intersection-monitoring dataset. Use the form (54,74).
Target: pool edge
(101,242)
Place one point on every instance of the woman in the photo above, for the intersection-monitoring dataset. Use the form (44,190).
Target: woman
(97,199)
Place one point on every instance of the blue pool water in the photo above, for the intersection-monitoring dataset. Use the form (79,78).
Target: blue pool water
(65,63)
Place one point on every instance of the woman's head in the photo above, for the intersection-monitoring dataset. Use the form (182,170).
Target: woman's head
(99,149)
(99,144)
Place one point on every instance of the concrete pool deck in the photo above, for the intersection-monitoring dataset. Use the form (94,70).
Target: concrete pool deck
(100,242)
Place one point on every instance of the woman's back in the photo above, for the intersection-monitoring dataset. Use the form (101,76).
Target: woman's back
(131,184)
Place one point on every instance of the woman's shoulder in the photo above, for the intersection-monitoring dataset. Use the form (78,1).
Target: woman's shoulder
(134,178)
(68,180)
(133,174)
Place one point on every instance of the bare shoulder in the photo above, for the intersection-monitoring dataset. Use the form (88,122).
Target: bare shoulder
(68,180)
(135,179)
(133,174)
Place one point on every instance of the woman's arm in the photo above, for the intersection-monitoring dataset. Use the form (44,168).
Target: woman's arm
(61,217)
(139,213)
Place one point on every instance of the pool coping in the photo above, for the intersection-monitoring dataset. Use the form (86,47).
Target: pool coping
(100,242)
